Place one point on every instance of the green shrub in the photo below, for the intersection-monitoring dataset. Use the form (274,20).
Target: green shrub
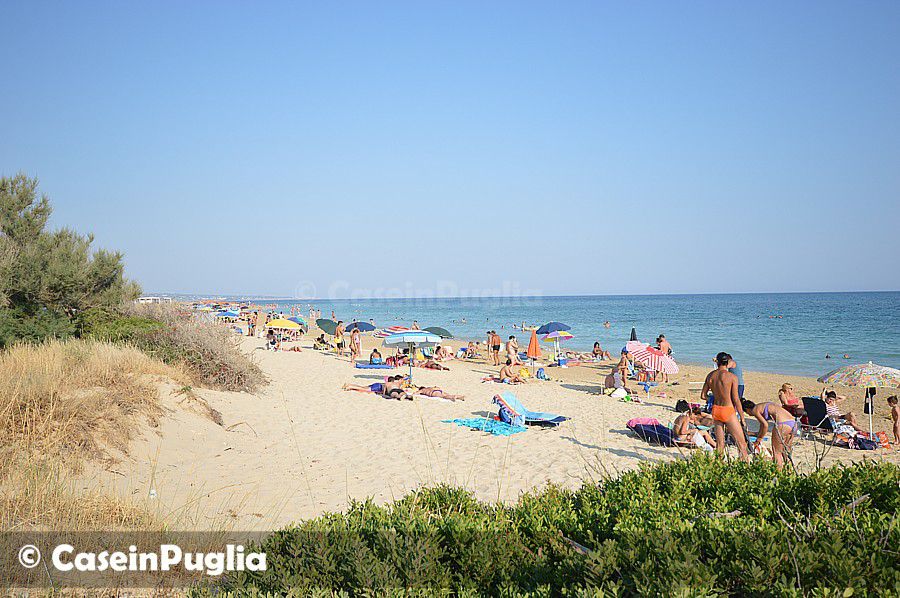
(105,325)
(666,530)
(17,325)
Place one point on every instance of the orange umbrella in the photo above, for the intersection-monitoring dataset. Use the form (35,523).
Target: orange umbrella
(534,348)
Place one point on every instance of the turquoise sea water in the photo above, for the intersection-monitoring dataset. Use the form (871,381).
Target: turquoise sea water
(865,326)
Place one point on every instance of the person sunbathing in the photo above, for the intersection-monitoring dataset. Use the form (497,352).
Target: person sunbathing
(430,364)
(832,399)
(375,357)
(507,376)
(599,353)
(782,430)
(434,391)
(393,389)
(790,401)
(686,429)
(441,353)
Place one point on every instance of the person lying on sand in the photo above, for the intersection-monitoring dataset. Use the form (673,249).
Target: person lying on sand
(431,364)
(434,391)
(391,389)
(507,376)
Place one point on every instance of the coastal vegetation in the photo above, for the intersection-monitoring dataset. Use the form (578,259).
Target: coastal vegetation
(80,366)
(698,527)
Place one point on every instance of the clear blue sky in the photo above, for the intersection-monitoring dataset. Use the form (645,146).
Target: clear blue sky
(644,147)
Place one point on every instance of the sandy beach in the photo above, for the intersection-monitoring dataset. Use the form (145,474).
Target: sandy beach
(303,446)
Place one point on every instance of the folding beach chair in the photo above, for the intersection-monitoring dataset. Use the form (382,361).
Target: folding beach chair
(512,411)
(817,419)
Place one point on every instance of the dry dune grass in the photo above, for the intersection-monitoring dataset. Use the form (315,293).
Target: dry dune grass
(63,402)
(72,400)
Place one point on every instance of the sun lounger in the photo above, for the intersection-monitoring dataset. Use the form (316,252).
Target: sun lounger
(514,412)
(373,366)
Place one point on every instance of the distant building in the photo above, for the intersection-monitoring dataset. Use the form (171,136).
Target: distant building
(145,300)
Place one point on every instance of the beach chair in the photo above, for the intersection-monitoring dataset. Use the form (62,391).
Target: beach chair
(512,411)
(817,419)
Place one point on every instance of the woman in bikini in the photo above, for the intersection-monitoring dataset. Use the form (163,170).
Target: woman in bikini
(790,401)
(783,427)
(434,391)
(355,344)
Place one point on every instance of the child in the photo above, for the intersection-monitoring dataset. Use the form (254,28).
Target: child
(895,415)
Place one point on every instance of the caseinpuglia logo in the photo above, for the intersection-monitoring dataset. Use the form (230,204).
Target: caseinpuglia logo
(169,556)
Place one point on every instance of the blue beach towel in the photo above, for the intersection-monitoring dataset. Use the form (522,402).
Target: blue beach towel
(497,428)
(373,366)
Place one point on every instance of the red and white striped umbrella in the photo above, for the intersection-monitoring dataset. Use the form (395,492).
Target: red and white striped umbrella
(386,332)
(652,358)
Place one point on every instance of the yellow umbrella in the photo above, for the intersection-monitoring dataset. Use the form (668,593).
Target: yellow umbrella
(283,324)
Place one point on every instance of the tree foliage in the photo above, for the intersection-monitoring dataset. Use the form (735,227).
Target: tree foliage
(45,275)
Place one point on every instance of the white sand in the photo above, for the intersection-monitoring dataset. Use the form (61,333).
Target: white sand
(302,446)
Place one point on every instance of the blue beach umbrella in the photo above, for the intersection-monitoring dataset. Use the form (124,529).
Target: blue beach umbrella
(227,314)
(553,327)
(361,326)
(412,339)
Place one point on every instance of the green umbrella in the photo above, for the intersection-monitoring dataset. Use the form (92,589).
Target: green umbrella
(441,332)
(327,326)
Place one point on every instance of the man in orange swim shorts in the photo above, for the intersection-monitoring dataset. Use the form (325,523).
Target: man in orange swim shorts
(726,408)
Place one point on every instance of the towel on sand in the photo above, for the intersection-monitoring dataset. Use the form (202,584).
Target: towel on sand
(495,427)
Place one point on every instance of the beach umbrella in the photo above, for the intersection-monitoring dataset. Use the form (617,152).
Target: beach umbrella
(534,349)
(441,332)
(298,319)
(327,326)
(361,326)
(412,339)
(552,327)
(555,337)
(282,324)
(386,332)
(866,375)
(652,358)
(227,314)
(633,334)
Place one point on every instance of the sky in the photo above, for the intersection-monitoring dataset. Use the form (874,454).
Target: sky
(465,148)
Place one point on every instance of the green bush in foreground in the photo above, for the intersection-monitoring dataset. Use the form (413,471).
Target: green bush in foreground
(666,530)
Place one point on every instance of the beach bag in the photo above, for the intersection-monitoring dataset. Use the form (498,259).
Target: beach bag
(507,416)
(541,374)
(524,373)
(619,393)
(863,444)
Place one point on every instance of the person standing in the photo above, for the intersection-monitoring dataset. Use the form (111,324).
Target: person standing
(726,407)
(512,351)
(735,369)
(415,325)
(355,344)
(663,345)
(496,342)
(339,338)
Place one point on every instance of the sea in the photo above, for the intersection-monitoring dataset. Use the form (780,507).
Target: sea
(789,333)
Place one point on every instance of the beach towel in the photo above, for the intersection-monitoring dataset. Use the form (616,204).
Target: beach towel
(513,412)
(492,426)
(653,433)
(373,366)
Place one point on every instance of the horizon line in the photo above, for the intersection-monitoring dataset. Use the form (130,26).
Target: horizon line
(512,297)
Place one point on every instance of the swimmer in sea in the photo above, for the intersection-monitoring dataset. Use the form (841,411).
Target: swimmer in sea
(726,408)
